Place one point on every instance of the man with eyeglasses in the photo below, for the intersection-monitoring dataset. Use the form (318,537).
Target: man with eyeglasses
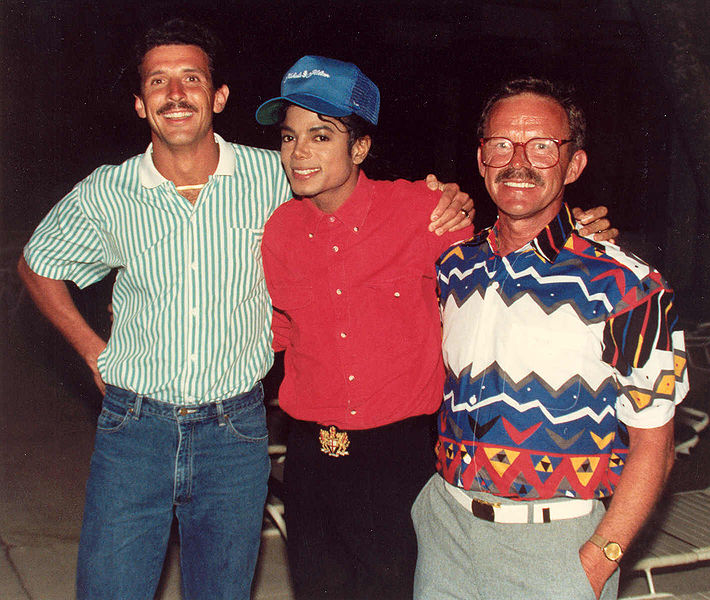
(564,366)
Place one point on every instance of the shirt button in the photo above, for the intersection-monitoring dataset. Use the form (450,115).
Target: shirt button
(353,412)
(343,334)
(310,235)
(396,294)
(339,292)
(193,357)
(193,266)
(335,248)
(351,377)
(193,312)
(331,219)
(356,229)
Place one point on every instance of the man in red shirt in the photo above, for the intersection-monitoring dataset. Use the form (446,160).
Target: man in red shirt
(349,265)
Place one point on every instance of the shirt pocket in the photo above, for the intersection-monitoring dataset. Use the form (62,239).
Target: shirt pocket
(397,309)
(289,299)
(242,258)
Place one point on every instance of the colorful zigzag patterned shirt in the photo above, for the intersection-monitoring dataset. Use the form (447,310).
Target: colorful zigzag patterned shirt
(551,351)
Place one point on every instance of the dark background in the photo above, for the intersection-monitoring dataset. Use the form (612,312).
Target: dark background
(640,67)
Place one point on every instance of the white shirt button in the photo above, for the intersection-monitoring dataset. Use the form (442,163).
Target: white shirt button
(331,219)
(353,412)
(343,334)
(397,294)
(193,312)
(193,357)
(339,291)
(351,377)
(193,266)
(310,235)
(335,248)
(356,229)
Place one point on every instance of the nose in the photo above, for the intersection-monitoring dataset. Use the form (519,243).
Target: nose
(519,157)
(176,90)
(301,149)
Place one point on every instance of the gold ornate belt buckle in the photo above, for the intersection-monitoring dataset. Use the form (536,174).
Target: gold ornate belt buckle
(334,442)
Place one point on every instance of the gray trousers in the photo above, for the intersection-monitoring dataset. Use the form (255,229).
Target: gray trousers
(462,557)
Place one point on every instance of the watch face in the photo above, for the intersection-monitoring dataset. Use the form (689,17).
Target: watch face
(613,551)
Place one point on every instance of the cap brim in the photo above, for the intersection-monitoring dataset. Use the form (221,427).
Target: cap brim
(268,112)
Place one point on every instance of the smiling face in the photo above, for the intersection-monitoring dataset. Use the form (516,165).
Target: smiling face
(519,190)
(317,160)
(177,96)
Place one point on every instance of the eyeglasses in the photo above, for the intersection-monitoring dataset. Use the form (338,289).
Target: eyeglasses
(542,153)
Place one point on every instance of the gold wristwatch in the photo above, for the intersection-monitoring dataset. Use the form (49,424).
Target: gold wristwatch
(612,550)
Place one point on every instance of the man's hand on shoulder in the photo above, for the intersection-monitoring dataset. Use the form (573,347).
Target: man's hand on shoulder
(455,208)
(595,222)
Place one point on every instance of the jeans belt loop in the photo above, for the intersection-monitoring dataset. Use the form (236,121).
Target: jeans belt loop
(136,408)
(221,418)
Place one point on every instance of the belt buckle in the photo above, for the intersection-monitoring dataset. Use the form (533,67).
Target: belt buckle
(483,510)
(334,442)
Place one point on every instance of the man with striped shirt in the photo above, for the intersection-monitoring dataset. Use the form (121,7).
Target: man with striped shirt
(182,425)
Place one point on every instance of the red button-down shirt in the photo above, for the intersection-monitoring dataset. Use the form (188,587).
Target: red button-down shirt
(355,305)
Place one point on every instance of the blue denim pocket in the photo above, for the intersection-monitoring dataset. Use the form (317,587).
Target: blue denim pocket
(114,414)
(247,420)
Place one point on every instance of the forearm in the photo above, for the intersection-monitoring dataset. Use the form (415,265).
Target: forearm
(645,473)
(54,302)
(642,481)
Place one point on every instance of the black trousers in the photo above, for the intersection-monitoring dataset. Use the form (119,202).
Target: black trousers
(350,532)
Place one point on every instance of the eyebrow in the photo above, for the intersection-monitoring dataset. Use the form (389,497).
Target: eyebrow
(310,129)
(182,71)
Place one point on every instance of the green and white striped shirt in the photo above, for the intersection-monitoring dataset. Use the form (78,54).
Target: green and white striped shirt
(192,316)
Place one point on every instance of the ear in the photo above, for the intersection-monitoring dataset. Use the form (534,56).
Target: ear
(220,99)
(575,166)
(139,106)
(481,166)
(360,149)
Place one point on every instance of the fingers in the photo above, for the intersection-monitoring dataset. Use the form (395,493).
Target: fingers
(100,383)
(587,217)
(433,183)
(453,215)
(608,235)
(594,222)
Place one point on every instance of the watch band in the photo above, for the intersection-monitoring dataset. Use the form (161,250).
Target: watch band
(612,550)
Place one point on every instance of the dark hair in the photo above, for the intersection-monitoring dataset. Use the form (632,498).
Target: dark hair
(355,126)
(560,93)
(181,32)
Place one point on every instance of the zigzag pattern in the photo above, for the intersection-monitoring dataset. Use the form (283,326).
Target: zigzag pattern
(569,278)
(523,407)
(546,350)
(533,378)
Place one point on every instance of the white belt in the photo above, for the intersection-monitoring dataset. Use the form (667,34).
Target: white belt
(542,512)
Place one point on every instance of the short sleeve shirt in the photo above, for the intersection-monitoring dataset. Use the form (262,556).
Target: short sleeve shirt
(191,311)
(551,351)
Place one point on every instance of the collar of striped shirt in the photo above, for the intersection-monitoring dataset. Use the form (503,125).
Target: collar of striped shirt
(150,177)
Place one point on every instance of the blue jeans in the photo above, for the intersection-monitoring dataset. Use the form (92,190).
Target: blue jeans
(208,463)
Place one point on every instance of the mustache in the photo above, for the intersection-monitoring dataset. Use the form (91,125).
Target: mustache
(182,105)
(523,173)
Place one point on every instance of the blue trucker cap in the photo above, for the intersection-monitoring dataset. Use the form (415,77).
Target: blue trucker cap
(326,86)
